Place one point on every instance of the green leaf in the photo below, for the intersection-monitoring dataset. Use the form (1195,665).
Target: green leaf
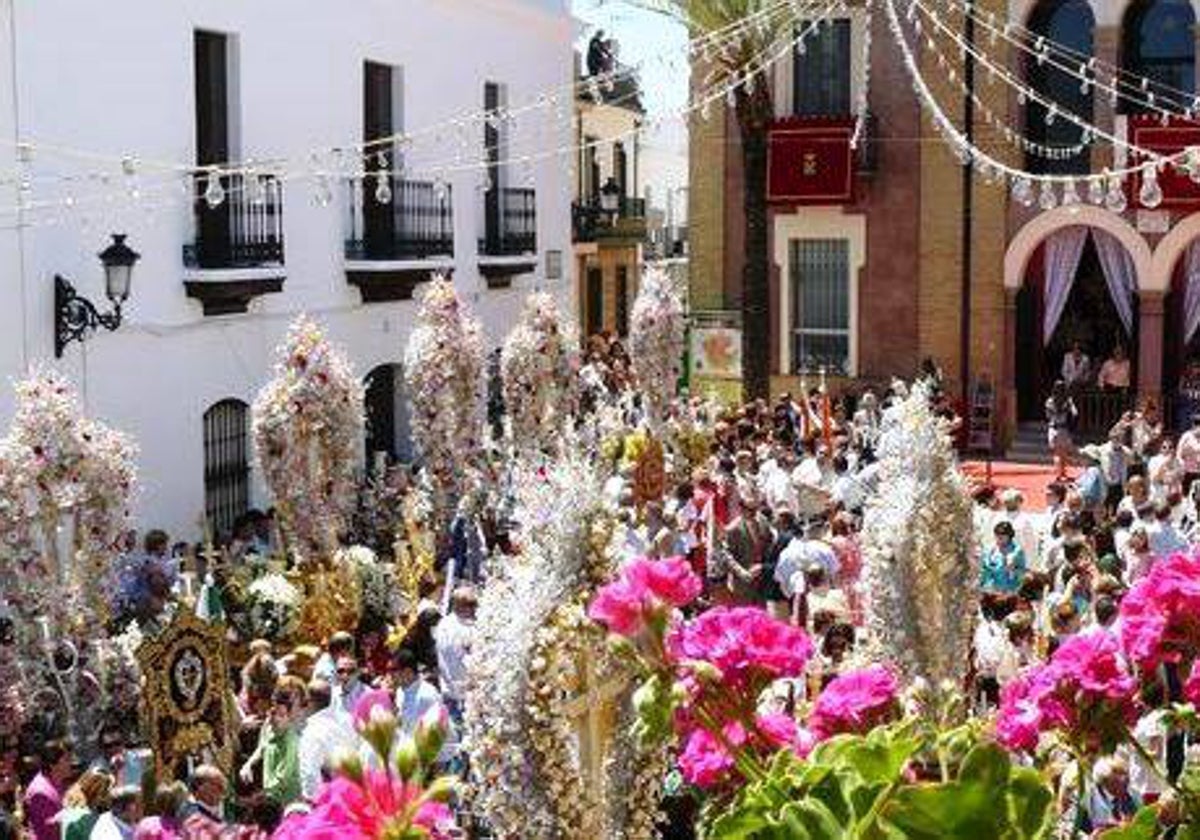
(956,809)
(1029,803)
(1143,826)
(986,764)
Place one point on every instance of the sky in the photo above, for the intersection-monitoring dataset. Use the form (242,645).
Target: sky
(645,37)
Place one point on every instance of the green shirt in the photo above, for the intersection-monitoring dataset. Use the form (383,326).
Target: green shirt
(281,764)
(77,823)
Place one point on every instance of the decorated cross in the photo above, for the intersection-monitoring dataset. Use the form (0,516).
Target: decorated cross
(593,712)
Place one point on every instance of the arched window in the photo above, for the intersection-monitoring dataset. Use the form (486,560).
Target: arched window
(226,464)
(1158,44)
(1068,24)
(388,429)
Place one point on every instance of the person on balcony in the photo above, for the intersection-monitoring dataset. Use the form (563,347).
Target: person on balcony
(1114,373)
(1076,367)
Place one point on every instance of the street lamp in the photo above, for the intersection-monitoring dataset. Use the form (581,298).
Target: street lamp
(610,200)
(75,315)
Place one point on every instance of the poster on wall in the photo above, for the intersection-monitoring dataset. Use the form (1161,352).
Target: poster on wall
(716,352)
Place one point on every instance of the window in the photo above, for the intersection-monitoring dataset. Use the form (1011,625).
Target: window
(1068,23)
(622,301)
(821,65)
(621,167)
(1158,44)
(820,277)
(226,464)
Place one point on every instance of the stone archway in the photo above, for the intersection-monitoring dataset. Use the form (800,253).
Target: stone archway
(1022,248)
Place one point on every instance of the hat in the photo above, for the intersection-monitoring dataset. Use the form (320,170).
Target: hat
(1091,452)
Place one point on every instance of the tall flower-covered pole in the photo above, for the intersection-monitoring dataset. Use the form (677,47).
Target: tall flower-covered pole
(443,365)
(921,571)
(537,363)
(66,482)
(656,341)
(308,432)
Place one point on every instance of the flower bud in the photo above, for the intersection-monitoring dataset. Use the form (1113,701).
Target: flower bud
(705,671)
(349,765)
(407,760)
(431,733)
(441,789)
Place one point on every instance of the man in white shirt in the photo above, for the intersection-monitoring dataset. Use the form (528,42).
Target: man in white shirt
(347,685)
(1076,367)
(775,481)
(328,733)
(802,553)
(118,822)
(415,696)
(1025,528)
(1188,450)
(846,489)
(454,635)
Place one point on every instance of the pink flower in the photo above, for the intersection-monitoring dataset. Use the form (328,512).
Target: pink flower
(1085,691)
(704,761)
(644,587)
(373,810)
(783,731)
(671,581)
(365,706)
(1160,615)
(744,644)
(1191,688)
(855,702)
(619,607)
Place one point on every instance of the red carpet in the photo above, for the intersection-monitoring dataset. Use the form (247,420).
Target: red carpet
(1030,479)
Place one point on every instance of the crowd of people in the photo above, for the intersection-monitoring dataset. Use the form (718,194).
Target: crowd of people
(769,516)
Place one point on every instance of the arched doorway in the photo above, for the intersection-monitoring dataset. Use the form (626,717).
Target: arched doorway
(1079,288)
(388,425)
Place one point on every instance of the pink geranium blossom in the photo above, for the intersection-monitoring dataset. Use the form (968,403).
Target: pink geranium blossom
(744,644)
(644,588)
(705,762)
(374,809)
(1160,615)
(783,731)
(1191,688)
(855,702)
(1085,692)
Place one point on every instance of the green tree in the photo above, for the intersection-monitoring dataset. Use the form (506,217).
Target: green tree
(736,52)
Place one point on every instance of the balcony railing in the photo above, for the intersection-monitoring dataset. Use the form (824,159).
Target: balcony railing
(511,227)
(243,230)
(591,221)
(416,222)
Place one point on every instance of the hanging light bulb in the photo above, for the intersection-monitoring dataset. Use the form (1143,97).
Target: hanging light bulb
(256,188)
(439,188)
(1051,114)
(1150,195)
(1115,200)
(1022,97)
(1070,196)
(1047,200)
(323,192)
(1096,191)
(731,97)
(705,110)
(383,188)
(214,192)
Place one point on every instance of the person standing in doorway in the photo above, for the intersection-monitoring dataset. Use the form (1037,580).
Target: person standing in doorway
(1060,415)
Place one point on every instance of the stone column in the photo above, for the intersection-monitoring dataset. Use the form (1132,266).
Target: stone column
(1007,409)
(1150,343)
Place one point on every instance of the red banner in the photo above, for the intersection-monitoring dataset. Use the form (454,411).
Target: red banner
(1179,191)
(809,162)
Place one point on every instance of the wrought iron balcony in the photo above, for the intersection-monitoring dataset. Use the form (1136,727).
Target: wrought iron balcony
(244,229)
(414,222)
(510,226)
(592,222)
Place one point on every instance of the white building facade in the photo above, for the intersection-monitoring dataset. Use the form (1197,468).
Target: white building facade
(200,82)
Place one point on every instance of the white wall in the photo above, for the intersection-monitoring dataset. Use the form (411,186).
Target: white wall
(119,81)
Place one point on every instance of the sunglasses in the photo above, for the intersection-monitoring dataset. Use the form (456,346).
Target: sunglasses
(346,672)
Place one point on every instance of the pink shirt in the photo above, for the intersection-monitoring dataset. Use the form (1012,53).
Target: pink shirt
(43,801)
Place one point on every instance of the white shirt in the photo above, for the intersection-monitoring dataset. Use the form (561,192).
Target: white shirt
(776,485)
(1075,370)
(413,701)
(108,827)
(798,556)
(1165,539)
(326,735)
(990,640)
(453,637)
(848,491)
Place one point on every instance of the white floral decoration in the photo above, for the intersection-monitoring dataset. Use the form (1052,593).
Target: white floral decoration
(657,336)
(66,483)
(443,366)
(538,362)
(308,432)
(527,789)
(920,572)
